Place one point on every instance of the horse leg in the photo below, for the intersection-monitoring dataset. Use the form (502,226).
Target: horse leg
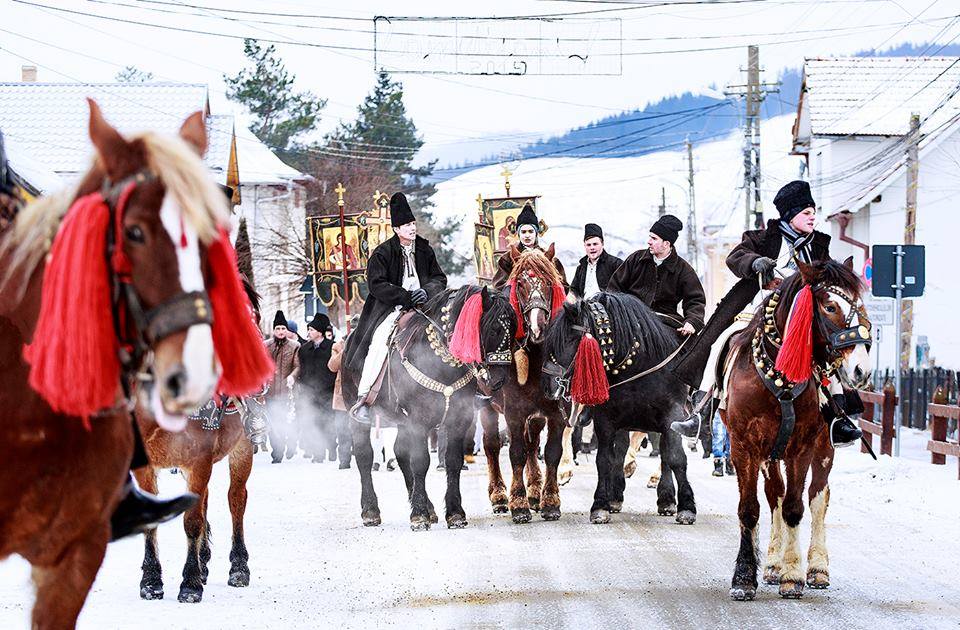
(419,464)
(151,584)
(205,552)
(534,476)
(456,517)
(565,468)
(818,560)
(618,478)
(363,454)
(600,510)
(675,459)
(792,577)
(496,489)
(62,588)
(519,506)
(774,489)
(666,492)
(552,452)
(743,587)
(630,460)
(241,463)
(194,524)
(401,451)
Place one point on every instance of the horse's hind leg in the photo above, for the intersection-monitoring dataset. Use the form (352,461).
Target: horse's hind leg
(565,468)
(194,524)
(792,577)
(534,475)
(630,459)
(401,449)
(774,489)
(666,491)
(62,588)
(674,457)
(496,489)
(419,464)
(618,478)
(363,454)
(744,583)
(552,452)
(241,462)
(519,506)
(151,583)
(600,510)
(205,551)
(818,560)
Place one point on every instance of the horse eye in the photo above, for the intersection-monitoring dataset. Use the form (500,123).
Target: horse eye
(830,308)
(134,233)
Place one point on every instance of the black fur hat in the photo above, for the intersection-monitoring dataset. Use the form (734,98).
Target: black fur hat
(320,323)
(792,199)
(528,217)
(591,230)
(279,319)
(400,212)
(668,228)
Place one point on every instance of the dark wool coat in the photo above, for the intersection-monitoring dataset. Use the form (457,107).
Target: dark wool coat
(284,355)
(607,264)
(314,376)
(505,267)
(755,244)
(674,283)
(385,281)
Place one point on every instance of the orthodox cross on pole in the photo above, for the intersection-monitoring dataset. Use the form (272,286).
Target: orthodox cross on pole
(506,178)
(343,258)
(480,208)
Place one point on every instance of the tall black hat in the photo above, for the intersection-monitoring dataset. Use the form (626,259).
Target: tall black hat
(591,230)
(400,212)
(792,199)
(668,228)
(320,323)
(528,217)
(279,319)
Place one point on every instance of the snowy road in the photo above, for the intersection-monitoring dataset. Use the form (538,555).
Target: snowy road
(893,534)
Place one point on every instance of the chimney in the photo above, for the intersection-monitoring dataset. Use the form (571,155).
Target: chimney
(28,74)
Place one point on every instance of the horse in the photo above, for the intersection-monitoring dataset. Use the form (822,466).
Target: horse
(536,294)
(125,272)
(608,353)
(777,371)
(438,353)
(194,451)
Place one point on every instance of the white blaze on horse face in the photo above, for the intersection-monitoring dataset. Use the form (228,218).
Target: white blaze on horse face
(536,314)
(198,356)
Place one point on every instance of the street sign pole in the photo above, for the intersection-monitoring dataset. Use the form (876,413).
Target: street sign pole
(898,288)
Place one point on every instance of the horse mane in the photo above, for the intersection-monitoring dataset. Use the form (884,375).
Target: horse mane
(535,261)
(416,330)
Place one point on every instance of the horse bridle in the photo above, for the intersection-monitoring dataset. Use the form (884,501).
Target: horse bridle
(850,334)
(176,314)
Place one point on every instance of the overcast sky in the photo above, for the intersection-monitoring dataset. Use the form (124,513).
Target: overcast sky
(333,57)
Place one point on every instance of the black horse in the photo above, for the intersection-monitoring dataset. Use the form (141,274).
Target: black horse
(431,380)
(630,340)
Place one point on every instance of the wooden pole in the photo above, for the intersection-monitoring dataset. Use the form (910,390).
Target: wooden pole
(938,432)
(343,256)
(910,233)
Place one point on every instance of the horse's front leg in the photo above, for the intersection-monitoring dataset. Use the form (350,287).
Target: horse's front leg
(743,587)
(774,489)
(618,480)
(496,489)
(419,465)
(151,584)
(671,452)
(194,524)
(792,577)
(600,510)
(818,559)
(552,452)
(363,453)
(519,506)
(241,463)
(455,515)
(535,427)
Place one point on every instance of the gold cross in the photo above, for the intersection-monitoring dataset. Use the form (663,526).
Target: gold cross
(506,176)
(339,190)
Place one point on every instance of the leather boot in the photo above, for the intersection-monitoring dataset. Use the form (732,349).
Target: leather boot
(843,430)
(139,511)
(718,467)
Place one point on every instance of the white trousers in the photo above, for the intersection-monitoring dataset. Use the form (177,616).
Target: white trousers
(377,354)
(383,439)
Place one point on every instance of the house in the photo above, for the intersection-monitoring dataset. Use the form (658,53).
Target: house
(852,129)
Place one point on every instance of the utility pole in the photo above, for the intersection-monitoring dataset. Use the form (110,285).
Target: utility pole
(693,254)
(662,209)
(753,94)
(910,235)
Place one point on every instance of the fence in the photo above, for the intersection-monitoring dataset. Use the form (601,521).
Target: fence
(941,414)
(918,387)
(887,402)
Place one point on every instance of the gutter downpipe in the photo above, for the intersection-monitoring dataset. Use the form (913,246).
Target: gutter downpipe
(843,219)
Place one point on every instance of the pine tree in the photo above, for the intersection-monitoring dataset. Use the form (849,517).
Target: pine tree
(244,253)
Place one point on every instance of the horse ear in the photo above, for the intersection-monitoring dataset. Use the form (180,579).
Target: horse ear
(551,251)
(514,253)
(110,145)
(807,272)
(194,131)
(848,263)
(485,298)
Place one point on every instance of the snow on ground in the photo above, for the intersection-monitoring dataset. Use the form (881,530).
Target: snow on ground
(893,535)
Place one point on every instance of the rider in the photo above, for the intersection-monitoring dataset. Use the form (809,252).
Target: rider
(137,511)
(765,253)
(595,269)
(402,273)
(662,280)
(528,233)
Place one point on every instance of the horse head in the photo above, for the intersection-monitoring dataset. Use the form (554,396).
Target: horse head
(142,268)
(485,327)
(536,291)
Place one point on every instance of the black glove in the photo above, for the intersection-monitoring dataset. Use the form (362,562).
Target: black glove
(418,296)
(764,266)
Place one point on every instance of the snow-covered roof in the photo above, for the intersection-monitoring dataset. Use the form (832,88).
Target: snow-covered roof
(36,174)
(876,95)
(257,163)
(219,141)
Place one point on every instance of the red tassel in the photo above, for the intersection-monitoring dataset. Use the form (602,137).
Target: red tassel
(795,358)
(556,301)
(73,357)
(590,385)
(243,358)
(515,303)
(465,344)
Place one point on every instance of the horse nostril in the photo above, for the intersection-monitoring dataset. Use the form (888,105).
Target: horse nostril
(175,383)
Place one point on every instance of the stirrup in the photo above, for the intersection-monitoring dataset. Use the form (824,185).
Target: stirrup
(837,445)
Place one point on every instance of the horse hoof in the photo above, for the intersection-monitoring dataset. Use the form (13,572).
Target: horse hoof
(500,508)
(371,519)
(239,579)
(458,521)
(615,507)
(743,593)
(521,516)
(550,513)
(629,469)
(667,510)
(433,517)
(599,517)
(771,575)
(686,517)
(791,590)
(818,578)
(190,596)
(653,481)
(151,592)
(420,523)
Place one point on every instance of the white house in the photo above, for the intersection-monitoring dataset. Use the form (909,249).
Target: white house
(852,127)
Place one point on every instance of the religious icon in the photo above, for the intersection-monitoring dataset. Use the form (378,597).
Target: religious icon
(483,251)
(507,234)
(339,252)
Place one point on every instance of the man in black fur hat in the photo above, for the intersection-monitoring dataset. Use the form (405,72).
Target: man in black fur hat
(316,389)
(402,273)
(762,259)
(597,267)
(662,280)
(528,235)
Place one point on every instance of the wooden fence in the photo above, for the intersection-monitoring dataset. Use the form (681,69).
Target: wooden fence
(881,426)
(940,415)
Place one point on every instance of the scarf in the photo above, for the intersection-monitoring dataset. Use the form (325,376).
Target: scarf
(799,245)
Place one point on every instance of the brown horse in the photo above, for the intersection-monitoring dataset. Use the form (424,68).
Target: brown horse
(536,292)
(92,285)
(772,363)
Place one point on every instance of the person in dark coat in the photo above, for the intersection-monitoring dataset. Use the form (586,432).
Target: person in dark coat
(316,381)
(597,267)
(402,273)
(760,257)
(663,280)
(283,348)
(528,234)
